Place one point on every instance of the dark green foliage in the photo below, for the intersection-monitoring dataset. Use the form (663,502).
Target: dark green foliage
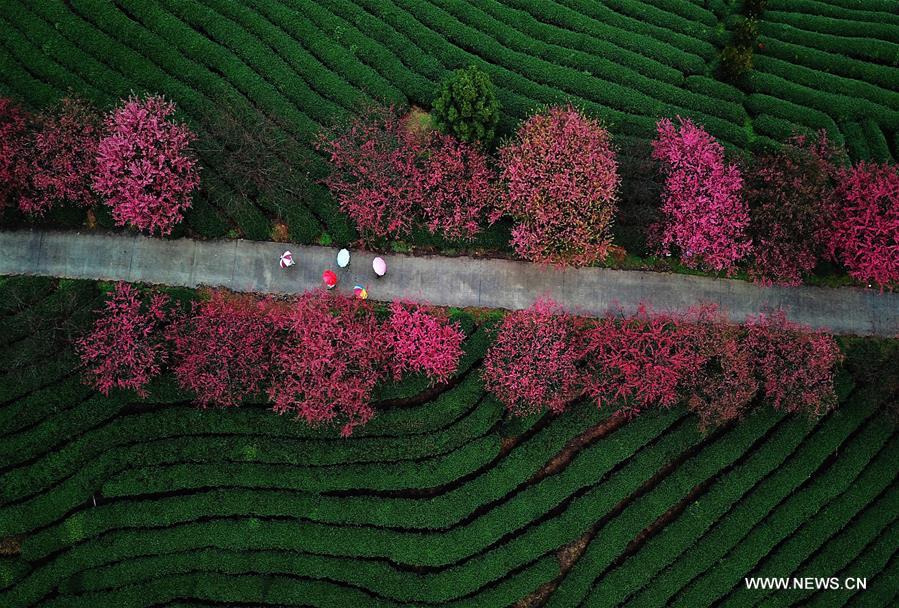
(746,32)
(736,62)
(466,106)
(754,8)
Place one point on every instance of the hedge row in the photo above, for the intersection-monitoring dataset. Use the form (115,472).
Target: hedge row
(613,538)
(876,478)
(731,531)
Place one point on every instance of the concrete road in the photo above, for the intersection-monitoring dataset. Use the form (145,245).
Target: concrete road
(253,266)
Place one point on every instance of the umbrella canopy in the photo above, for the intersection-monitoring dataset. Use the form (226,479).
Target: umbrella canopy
(329,278)
(379,266)
(286,259)
(343,258)
(360,292)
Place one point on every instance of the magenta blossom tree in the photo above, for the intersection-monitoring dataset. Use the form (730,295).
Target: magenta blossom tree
(62,157)
(146,170)
(533,362)
(638,362)
(423,340)
(791,199)
(704,217)
(795,365)
(328,355)
(222,349)
(561,181)
(13,135)
(865,233)
(389,176)
(125,349)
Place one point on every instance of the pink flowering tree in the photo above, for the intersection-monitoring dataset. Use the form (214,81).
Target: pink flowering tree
(62,157)
(454,187)
(421,339)
(328,355)
(533,361)
(791,199)
(638,362)
(561,182)
(146,170)
(389,176)
(125,349)
(723,386)
(371,170)
(222,349)
(704,217)
(865,233)
(13,135)
(795,365)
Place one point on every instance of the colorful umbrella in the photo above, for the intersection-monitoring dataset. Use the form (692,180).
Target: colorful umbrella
(286,259)
(360,292)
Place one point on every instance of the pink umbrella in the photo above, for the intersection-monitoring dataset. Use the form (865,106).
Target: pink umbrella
(379,266)
(286,260)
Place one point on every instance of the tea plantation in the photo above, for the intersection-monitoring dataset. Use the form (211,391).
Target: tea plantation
(830,64)
(442,500)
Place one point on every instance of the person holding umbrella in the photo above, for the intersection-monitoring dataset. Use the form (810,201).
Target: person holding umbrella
(329,279)
(379,266)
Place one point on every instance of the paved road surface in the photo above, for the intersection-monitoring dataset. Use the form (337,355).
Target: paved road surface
(253,266)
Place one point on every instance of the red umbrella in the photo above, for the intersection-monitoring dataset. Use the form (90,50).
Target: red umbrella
(329,278)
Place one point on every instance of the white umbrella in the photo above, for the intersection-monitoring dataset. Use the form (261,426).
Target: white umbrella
(343,258)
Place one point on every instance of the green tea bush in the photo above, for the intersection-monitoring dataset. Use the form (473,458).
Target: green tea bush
(466,106)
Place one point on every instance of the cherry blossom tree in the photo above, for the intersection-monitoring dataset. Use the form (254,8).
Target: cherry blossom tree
(423,340)
(454,187)
(389,176)
(13,135)
(791,198)
(722,388)
(533,361)
(222,349)
(61,158)
(865,233)
(329,354)
(561,181)
(704,217)
(145,168)
(637,362)
(795,365)
(125,348)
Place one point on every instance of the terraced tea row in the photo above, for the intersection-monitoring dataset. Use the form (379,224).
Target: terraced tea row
(820,65)
(440,500)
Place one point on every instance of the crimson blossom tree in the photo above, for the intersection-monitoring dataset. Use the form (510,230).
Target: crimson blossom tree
(328,354)
(13,135)
(561,181)
(61,158)
(389,176)
(795,365)
(865,234)
(704,216)
(639,361)
(533,361)
(145,168)
(723,386)
(222,348)
(423,340)
(791,199)
(125,349)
